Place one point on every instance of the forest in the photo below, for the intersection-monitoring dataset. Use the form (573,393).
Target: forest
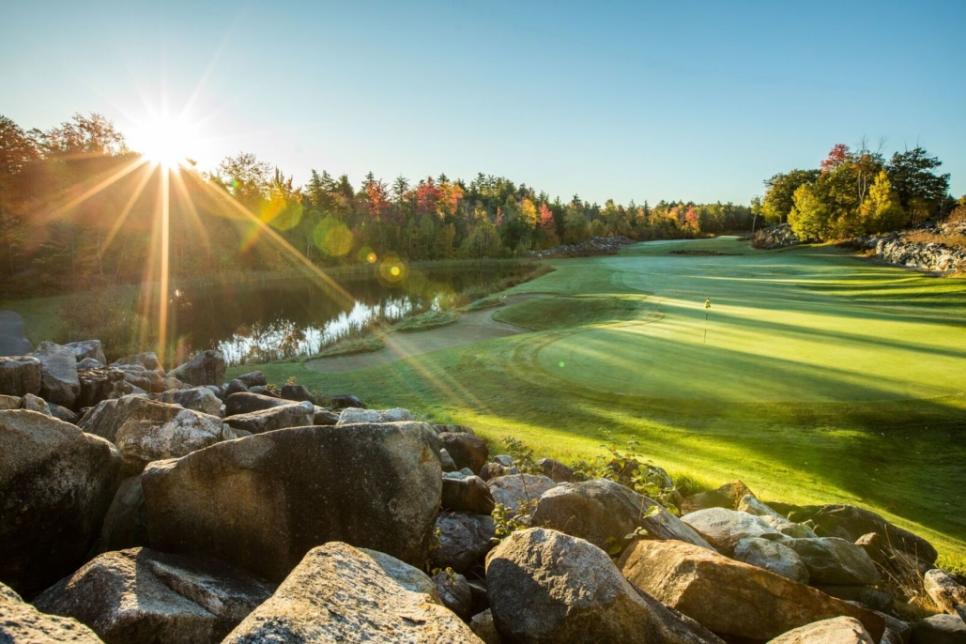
(78,208)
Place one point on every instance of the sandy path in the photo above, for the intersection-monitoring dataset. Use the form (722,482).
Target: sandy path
(471,327)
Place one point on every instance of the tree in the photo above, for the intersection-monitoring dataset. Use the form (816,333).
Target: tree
(881,210)
(778,200)
(83,135)
(245,177)
(809,217)
(919,189)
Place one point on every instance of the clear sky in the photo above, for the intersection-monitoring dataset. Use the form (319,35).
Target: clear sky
(631,100)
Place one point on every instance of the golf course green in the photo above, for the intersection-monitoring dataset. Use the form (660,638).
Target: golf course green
(812,375)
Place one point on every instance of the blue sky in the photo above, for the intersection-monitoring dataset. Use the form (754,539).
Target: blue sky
(630,100)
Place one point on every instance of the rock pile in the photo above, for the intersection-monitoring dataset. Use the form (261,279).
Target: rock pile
(904,249)
(590,247)
(778,236)
(187,509)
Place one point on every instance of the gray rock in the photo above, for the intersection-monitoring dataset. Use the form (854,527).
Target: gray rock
(495,470)
(546,586)
(291,415)
(20,375)
(324,416)
(88,349)
(137,375)
(944,591)
(869,596)
(724,528)
(107,417)
(939,629)
(836,630)
(10,402)
(835,561)
(467,494)
(59,382)
(21,623)
(262,501)
(339,593)
(514,491)
(170,433)
(197,398)
(139,595)
(90,363)
(454,592)
(246,402)
(124,524)
(62,413)
(605,513)
(466,450)
(344,401)
(253,379)
(503,459)
(726,496)
(148,360)
(236,386)
(772,555)
(297,393)
(31,402)
(462,540)
(556,470)
(56,483)
(447,462)
(353,415)
(99,384)
(485,628)
(203,368)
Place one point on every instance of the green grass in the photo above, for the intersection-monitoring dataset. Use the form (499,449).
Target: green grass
(350,346)
(427,320)
(824,378)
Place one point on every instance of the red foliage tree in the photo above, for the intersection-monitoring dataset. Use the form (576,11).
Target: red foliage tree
(838,154)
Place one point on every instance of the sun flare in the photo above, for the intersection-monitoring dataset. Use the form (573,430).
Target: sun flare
(165,141)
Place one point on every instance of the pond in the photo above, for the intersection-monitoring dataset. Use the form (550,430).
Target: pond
(288,318)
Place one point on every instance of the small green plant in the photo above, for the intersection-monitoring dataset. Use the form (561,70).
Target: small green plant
(522,455)
(507,521)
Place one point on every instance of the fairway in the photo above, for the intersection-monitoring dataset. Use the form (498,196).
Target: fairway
(814,376)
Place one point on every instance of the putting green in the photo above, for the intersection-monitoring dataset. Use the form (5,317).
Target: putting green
(823,377)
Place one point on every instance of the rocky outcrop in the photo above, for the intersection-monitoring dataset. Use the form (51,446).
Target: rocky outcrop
(837,630)
(58,366)
(731,598)
(353,415)
(56,483)
(88,349)
(906,248)
(546,586)
(200,399)
(203,368)
(289,415)
(948,594)
(19,375)
(605,513)
(341,593)
(591,247)
(263,501)
(142,596)
(724,528)
(778,236)
(835,561)
(772,555)
(21,623)
(144,439)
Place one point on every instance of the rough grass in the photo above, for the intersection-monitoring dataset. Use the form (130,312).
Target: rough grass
(351,346)
(427,320)
(823,378)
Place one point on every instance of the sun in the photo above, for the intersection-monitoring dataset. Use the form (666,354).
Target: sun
(165,141)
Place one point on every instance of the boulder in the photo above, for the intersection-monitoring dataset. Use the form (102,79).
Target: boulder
(731,598)
(87,349)
(343,401)
(253,379)
(724,528)
(835,561)
(466,494)
(454,592)
(868,596)
(324,417)
(137,375)
(263,501)
(31,402)
(62,413)
(139,595)
(556,470)
(837,630)
(939,629)
(462,540)
(10,402)
(21,623)
(236,386)
(726,496)
(773,556)
(203,368)
(144,439)
(466,450)
(197,398)
(605,513)
(124,524)
(515,490)
(298,393)
(107,418)
(945,592)
(89,363)
(485,628)
(352,415)
(494,470)
(266,420)
(56,483)
(58,380)
(850,522)
(341,593)
(100,384)
(148,360)
(19,375)
(546,586)
(245,402)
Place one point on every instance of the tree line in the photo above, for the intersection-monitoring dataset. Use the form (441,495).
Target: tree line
(77,207)
(858,192)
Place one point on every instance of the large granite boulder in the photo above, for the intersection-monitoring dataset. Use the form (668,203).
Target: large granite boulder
(87,349)
(466,494)
(101,383)
(724,528)
(144,439)
(731,598)
(11,402)
(604,513)
(59,382)
(298,393)
(263,501)
(106,418)
(144,371)
(546,586)
(466,449)
(56,483)
(462,540)
(21,623)
(203,368)
(124,525)
(836,630)
(772,555)
(253,379)
(245,402)
(352,415)
(338,593)
(948,594)
(514,491)
(19,375)
(200,399)
(939,629)
(290,415)
(835,561)
(726,496)
(143,596)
